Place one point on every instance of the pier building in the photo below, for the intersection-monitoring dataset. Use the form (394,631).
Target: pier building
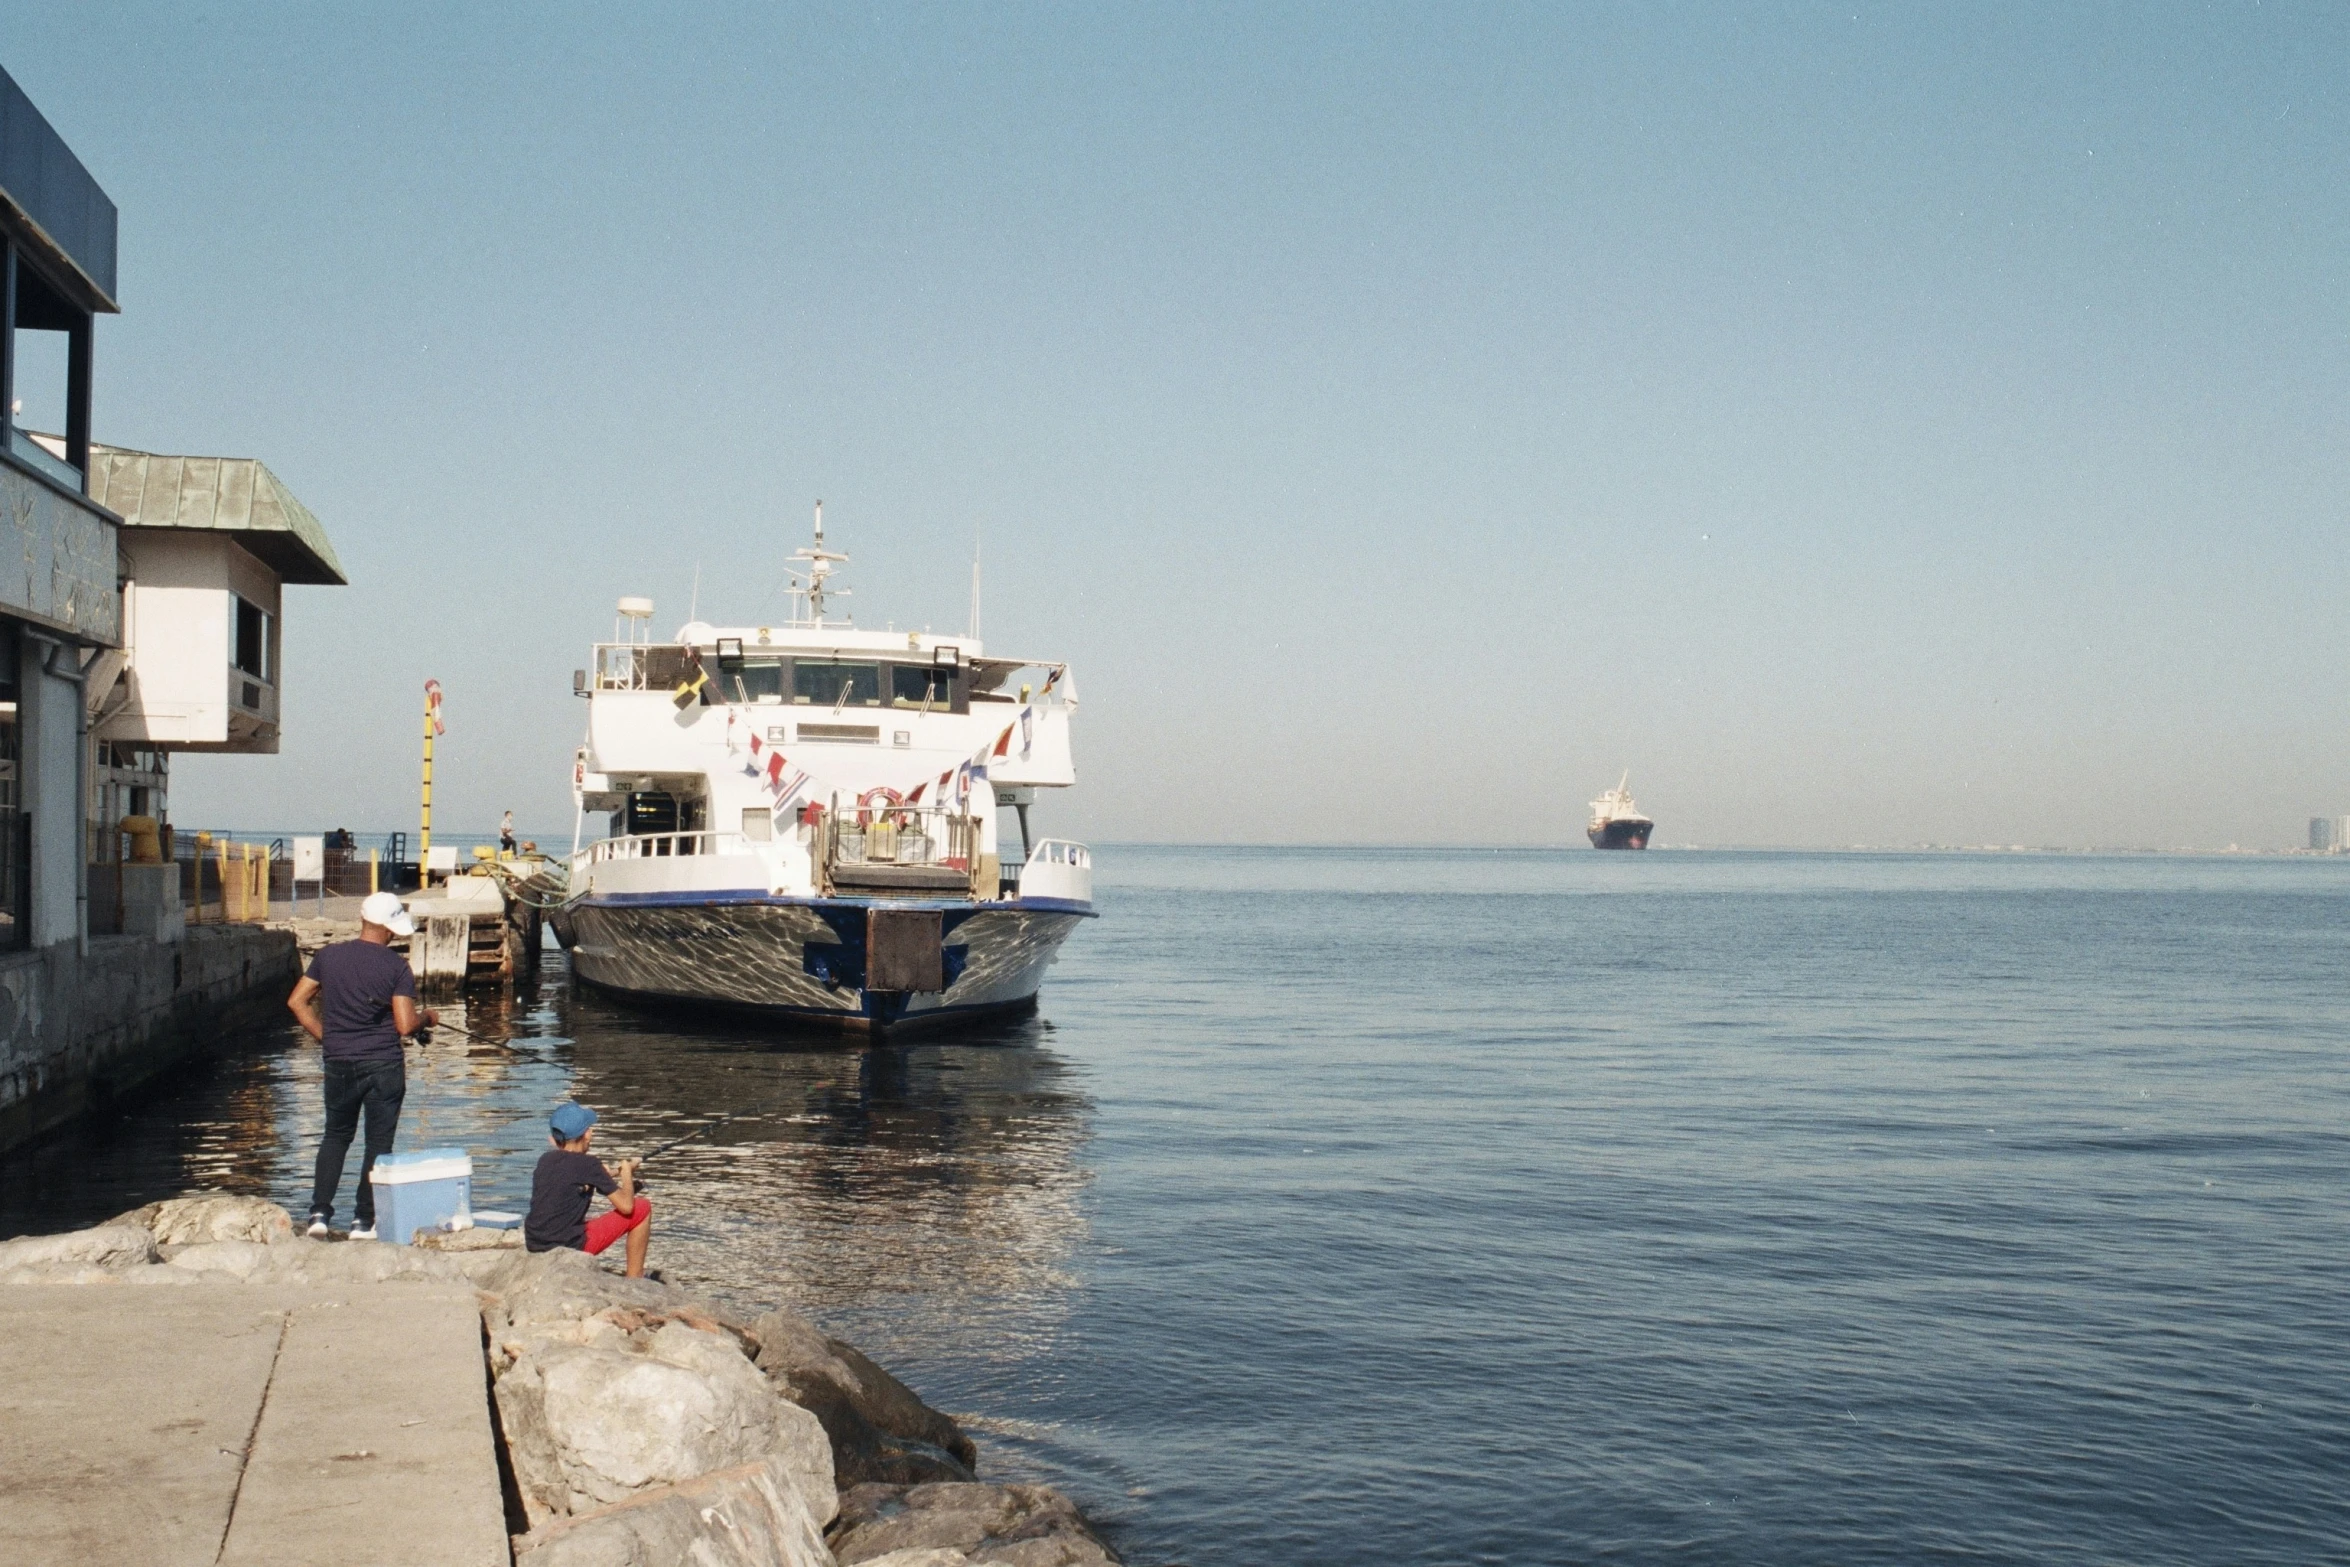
(139,615)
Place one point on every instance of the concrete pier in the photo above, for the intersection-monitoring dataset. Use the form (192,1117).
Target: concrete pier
(256,1425)
(78,1029)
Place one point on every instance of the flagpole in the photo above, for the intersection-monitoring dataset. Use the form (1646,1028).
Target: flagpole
(432,702)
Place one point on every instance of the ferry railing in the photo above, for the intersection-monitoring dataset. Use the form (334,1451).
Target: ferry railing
(662,845)
(1056,868)
(638,666)
(911,838)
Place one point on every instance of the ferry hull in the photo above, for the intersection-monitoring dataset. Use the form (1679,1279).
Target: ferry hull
(1627,834)
(801,961)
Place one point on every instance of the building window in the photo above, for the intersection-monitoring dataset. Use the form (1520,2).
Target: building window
(252,641)
(44,371)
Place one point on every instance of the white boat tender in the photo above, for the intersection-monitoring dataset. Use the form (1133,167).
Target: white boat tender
(805,819)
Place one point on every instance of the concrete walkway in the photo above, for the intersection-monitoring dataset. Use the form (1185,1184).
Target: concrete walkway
(254,1425)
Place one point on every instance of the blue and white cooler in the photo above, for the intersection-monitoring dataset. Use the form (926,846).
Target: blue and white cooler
(430,1189)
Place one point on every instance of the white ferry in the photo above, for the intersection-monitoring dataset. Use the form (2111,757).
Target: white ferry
(804,819)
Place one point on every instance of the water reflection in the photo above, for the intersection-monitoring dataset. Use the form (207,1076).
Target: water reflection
(939,1179)
(921,1199)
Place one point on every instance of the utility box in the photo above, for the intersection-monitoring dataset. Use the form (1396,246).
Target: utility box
(430,1189)
(904,950)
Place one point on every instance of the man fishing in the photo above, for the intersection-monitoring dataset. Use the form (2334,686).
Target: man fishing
(359,1002)
(565,1186)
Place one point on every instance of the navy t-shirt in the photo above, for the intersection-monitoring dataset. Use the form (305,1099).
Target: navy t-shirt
(357,981)
(560,1190)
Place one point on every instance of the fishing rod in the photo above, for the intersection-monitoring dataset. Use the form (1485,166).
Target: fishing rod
(423,1036)
(706,1126)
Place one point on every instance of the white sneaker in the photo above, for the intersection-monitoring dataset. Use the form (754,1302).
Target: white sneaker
(362,1232)
(318,1230)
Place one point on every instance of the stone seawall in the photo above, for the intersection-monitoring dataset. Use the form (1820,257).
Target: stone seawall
(77,1031)
(193,1381)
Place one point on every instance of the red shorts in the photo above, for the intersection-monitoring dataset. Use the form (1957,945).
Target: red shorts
(610,1225)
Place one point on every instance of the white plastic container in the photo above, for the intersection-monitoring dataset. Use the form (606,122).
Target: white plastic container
(430,1189)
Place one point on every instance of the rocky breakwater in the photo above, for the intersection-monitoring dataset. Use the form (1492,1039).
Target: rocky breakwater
(637,1423)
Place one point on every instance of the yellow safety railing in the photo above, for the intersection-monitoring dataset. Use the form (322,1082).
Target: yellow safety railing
(239,874)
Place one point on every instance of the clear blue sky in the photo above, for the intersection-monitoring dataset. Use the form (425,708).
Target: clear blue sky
(1870,424)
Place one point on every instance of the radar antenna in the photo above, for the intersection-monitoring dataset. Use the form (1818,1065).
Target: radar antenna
(811,585)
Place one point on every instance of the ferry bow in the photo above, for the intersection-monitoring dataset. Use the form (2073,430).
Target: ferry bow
(805,820)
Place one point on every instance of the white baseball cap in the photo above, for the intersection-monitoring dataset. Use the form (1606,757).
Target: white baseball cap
(386,909)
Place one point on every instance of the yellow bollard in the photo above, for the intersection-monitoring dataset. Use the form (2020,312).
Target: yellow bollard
(372,887)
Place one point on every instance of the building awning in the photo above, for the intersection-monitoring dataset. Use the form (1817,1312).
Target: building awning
(236,496)
(52,201)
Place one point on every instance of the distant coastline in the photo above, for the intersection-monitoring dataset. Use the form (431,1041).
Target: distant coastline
(2231,851)
(1575,846)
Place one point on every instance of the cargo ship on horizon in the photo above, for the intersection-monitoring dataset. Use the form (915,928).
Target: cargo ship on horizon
(1616,823)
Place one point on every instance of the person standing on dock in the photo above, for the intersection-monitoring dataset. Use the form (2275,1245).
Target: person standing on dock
(506,833)
(359,1002)
(565,1184)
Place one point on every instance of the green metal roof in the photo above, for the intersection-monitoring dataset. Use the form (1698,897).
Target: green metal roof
(232,495)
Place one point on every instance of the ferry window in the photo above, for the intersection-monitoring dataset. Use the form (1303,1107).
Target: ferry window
(758,824)
(927,686)
(754,680)
(835,685)
(651,811)
(252,640)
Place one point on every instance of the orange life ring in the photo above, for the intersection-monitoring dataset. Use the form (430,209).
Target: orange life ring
(865,801)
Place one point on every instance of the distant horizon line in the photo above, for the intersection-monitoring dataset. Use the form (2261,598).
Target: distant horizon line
(1564,846)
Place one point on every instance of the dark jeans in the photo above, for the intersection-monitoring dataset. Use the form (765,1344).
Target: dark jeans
(351,1086)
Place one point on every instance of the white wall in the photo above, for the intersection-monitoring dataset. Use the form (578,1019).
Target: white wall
(48,709)
(179,629)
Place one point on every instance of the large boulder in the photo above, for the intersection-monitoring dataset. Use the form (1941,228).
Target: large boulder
(880,1431)
(240,1260)
(362,1262)
(479,1238)
(751,1515)
(1006,1525)
(213,1216)
(109,1246)
(568,1286)
(612,1412)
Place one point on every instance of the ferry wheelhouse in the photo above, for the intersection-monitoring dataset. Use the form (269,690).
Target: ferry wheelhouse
(806,819)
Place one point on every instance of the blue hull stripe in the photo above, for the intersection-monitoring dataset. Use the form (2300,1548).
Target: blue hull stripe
(842,1021)
(725,896)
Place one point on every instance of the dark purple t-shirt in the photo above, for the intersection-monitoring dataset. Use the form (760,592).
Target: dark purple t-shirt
(357,981)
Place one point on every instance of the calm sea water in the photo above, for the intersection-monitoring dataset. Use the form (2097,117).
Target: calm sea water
(1405,1207)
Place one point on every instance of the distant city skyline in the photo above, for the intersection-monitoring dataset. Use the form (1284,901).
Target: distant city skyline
(1865,426)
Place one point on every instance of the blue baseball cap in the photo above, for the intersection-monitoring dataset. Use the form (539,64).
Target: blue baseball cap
(570,1120)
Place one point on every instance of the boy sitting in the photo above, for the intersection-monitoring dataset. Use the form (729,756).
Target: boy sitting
(565,1184)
